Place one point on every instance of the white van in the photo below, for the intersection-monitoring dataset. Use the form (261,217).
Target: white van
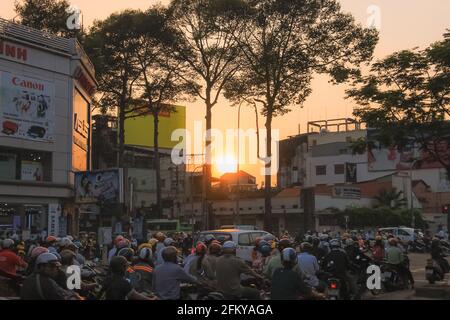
(405,234)
(244,239)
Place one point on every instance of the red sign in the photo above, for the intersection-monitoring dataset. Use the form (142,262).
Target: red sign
(84,81)
(13,51)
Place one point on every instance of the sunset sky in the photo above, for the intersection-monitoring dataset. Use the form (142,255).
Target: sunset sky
(405,24)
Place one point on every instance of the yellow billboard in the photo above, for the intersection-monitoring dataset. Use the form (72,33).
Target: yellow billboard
(139,130)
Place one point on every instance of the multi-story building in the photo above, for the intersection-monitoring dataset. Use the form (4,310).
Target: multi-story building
(46,88)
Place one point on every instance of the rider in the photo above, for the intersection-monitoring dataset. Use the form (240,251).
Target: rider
(119,287)
(337,263)
(50,243)
(438,255)
(143,269)
(229,269)
(214,252)
(168,276)
(288,284)
(309,266)
(9,260)
(378,250)
(200,266)
(41,284)
(114,249)
(275,262)
(37,251)
(395,257)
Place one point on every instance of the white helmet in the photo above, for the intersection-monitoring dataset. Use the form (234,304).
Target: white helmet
(65,242)
(8,243)
(145,254)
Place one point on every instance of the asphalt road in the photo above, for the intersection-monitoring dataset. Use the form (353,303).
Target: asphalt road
(417,266)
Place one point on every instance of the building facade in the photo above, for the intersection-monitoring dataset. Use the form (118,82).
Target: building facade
(46,89)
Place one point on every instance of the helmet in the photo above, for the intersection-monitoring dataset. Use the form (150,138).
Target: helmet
(8,243)
(209,238)
(144,245)
(265,249)
(124,243)
(38,251)
(335,243)
(160,236)
(289,256)
(65,242)
(257,240)
(349,242)
(50,239)
(69,237)
(229,245)
(269,237)
(77,244)
(283,244)
(215,247)
(306,246)
(393,241)
(214,296)
(47,258)
(127,253)
(67,257)
(324,237)
(118,239)
(118,264)
(153,242)
(145,253)
(168,242)
(262,243)
(200,248)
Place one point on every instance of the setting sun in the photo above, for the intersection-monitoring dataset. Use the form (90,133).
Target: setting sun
(226,164)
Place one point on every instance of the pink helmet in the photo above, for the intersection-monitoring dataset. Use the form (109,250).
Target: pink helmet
(118,239)
(38,251)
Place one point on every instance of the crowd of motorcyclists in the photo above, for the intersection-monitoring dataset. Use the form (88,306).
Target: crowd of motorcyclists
(179,267)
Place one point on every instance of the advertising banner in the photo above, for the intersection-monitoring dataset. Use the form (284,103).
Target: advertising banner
(99,187)
(54,212)
(31,171)
(140,129)
(390,158)
(351,172)
(27,108)
(346,192)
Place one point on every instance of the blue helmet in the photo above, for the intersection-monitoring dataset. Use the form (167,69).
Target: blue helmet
(289,256)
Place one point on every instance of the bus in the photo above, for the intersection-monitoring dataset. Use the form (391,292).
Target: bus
(166,226)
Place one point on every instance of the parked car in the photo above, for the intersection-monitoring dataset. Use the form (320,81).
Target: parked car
(244,239)
(406,235)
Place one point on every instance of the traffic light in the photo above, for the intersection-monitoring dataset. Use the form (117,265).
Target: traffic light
(445,208)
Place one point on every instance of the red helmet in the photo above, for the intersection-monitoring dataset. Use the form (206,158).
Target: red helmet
(118,239)
(38,251)
(200,248)
(215,247)
(50,239)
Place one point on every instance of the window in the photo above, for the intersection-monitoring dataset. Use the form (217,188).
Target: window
(249,208)
(402,232)
(321,170)
(295,206)
(294,168)
(143,182)
(339,169)
(244,239)
(314,142)
(25,165)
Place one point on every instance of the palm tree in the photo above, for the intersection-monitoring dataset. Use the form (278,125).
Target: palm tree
(391,198)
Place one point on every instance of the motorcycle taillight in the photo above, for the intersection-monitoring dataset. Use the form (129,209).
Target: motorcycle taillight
(333,285)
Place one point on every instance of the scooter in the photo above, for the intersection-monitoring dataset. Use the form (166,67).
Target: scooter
(433,271)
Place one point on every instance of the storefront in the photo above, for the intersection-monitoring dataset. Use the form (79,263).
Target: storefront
(46,88)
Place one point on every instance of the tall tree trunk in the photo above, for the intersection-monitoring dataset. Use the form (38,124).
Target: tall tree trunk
(208,157)
(268,177)
(157,164)
(120,158)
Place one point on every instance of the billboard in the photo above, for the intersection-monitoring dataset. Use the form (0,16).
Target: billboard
(390,158)
(27,109)
(139,130)
(105,186)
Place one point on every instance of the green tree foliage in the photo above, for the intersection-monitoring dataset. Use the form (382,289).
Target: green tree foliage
(406,96)
(46,15)
(391,199)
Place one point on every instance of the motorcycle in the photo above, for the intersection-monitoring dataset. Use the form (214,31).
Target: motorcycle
(433,271)
(391,279)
